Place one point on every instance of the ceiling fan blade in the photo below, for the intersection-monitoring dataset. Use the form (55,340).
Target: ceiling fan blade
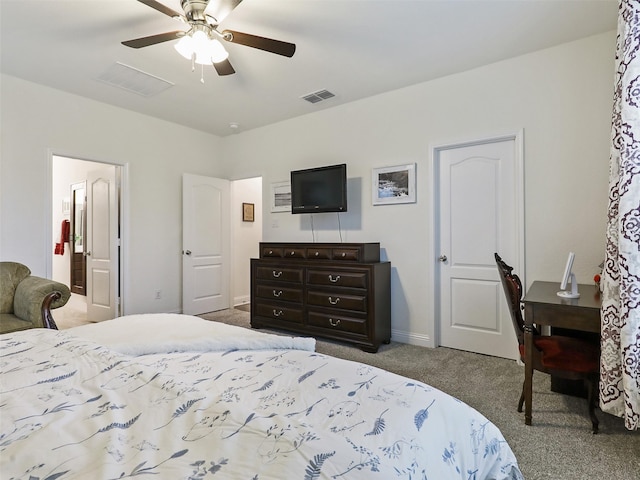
(267,44)
(224,68)
(161,8)
(153,39)
(221,8)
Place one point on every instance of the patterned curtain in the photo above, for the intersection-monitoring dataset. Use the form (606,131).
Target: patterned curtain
(620,361)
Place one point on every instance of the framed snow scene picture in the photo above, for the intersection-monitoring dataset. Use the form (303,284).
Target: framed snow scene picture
(390,185)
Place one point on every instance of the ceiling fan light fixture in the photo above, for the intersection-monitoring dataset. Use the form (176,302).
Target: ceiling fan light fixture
(207,51)
(201,47)
(210,52)
(185,47)
(217,52)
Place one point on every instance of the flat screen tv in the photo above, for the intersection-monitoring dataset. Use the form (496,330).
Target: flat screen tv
(322,189)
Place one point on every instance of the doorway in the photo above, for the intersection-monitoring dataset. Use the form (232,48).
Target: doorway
(247,235)
(77,230)
(478,210)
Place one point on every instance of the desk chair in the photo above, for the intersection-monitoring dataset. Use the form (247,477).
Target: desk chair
(564,357)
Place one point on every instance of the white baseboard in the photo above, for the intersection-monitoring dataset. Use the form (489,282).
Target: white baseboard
(242,300)
(412,338)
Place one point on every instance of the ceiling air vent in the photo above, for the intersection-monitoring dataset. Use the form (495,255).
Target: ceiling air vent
(318,96)
(133,80)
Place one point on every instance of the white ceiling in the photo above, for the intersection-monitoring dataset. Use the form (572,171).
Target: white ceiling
(353,48)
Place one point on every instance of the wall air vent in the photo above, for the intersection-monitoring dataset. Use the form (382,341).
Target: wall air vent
(318,96)
(133,80)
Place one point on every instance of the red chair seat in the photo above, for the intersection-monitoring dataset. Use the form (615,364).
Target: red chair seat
(565,353)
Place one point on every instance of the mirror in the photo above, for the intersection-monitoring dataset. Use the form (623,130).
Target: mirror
(78,220)
(78,237)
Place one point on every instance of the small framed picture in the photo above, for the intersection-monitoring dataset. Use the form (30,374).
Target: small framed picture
(390,185)
(248,212)
(281,197)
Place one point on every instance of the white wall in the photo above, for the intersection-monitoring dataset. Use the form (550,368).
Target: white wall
(561,97)
(246,235)
(38,121)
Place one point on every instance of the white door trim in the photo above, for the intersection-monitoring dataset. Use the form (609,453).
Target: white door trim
(434,249)
(124,220)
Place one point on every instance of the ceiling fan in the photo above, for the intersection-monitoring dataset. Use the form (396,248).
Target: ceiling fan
(201,42)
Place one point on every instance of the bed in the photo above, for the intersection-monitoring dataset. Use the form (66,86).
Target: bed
(178,397)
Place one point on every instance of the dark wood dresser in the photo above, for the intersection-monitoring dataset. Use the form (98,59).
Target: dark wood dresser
(340,291)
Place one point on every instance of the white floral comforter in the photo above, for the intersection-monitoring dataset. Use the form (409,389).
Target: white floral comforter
(71,408)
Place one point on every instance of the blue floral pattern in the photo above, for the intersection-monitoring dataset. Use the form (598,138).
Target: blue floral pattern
(74,409)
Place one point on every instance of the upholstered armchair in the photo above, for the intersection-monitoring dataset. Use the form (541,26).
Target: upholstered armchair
(25,300)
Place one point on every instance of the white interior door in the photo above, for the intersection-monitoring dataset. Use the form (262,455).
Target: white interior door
(206,236)
(102,244)
(479,199)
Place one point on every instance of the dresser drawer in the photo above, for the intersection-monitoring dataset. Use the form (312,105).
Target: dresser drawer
(338,323)
(271,252)
(348,254)
(278,312)
(319,253)
(279,274)
(279,293)
(294,252)
(337,278)
(337,300)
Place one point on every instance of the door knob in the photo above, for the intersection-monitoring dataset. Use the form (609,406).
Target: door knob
(187,252)
(87,254)
(443,258)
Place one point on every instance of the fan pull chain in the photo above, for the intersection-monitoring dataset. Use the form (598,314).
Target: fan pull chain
(193,68)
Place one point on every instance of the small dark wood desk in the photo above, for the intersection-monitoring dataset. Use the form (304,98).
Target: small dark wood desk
(542,306)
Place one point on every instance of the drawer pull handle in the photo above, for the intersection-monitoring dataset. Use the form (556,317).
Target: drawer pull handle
(277,313)
(270,252)
(333,279)
(344,254)
(334,302)
(277,294)
(276,274)
(334,323)
(292,253)
(317,253)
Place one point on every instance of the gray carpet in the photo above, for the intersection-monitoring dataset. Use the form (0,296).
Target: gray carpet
(559,444)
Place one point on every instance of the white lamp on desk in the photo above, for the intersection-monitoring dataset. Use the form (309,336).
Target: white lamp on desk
(569,277)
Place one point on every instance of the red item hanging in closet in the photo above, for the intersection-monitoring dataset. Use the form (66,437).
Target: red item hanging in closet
(65,229)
